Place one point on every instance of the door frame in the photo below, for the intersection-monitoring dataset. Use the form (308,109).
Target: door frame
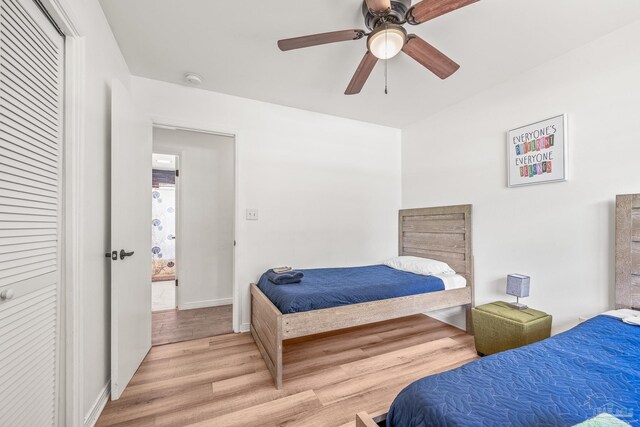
(69,375)
(178,154)
(177,124)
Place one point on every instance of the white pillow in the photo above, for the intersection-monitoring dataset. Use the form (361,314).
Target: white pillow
(417,265)
(622,313)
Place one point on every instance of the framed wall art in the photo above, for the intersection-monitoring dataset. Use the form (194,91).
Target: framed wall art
(537,153)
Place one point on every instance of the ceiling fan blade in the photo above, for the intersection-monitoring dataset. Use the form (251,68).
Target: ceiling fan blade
(378,5)
(362,74)
(437,62)
(429,9)
(318,39)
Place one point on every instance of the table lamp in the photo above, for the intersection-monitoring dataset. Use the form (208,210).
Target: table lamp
(518,286)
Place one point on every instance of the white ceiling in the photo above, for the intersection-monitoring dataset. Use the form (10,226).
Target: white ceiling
(232,45)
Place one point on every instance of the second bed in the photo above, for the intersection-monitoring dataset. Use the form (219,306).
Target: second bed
(332,299)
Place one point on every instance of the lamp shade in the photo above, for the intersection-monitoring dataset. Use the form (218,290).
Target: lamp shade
(518,285)
(387,41)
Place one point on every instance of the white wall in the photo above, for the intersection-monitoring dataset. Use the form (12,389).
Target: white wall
(103,62)
(561,234)
(206,209)
(344,179)
(327,189)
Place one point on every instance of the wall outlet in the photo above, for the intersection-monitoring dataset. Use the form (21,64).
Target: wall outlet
(252,214)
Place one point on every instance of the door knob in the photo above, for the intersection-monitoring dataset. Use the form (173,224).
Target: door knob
(7,294)
(124,254)
(113,255)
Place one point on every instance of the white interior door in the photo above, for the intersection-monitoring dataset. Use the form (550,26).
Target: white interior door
(131,149)
(31,109)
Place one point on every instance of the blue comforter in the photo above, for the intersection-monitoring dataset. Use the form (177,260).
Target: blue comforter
(561,381)
(333,287)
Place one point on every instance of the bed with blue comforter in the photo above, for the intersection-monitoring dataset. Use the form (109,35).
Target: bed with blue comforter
(333,287)
(562,381)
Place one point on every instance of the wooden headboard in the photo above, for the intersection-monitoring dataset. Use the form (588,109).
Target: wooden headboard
(628,251)
(442,233)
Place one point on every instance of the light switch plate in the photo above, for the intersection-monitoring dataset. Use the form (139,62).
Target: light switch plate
(252,214)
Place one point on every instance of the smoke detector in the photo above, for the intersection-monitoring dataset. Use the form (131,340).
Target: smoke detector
(193,78)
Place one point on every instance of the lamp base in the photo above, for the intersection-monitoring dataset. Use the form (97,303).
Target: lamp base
(517,305)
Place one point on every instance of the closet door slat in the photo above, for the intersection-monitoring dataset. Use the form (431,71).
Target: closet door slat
(24,210)
(24,65)
(33,209)
(13,218)
(29,254)
(25,150)
(27,161)
(13,187)
(27,247)
(28,204)
(33,44)
(18,90)
(13,135)
(18,127)
(21,122)
(21,169)
(35,28)
(17,225)
(31,111)
(9,266)
(35,293)
(19,176)
(32,274)
(7,235)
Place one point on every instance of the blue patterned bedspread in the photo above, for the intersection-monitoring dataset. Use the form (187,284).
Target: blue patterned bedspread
(333,287)
(562,381)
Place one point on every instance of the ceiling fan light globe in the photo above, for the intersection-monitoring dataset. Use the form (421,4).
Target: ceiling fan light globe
(387,42)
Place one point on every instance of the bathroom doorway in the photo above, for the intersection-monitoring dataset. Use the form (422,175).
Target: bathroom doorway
(193,199)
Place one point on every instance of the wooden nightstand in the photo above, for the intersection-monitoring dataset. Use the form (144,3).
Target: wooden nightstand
(499,327)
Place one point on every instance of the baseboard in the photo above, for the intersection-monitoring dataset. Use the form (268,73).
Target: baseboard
(96,409)
(245,327)
(205,303)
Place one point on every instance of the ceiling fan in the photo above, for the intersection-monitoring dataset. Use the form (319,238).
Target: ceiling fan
(387,36)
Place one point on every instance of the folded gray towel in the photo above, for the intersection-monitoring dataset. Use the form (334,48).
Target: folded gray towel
(288,277)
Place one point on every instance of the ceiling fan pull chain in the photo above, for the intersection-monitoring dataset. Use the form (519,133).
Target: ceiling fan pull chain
(386,91)
(386,60)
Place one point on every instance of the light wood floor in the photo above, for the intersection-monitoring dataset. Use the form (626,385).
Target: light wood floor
(223,381)
(171,326)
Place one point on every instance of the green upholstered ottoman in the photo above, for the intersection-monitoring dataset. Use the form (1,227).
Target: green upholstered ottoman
(499,327)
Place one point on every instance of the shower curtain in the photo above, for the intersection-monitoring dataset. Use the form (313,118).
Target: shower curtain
(163,247)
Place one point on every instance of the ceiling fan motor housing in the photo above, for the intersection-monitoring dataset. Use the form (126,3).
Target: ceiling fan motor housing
(398,11)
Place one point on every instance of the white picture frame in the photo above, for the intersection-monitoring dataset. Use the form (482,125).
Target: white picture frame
(537,152)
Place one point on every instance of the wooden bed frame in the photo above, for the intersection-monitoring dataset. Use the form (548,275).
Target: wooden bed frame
(442,233)
(628,251)
(627,273)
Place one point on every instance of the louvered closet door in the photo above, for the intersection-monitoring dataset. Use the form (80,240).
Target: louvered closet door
(31,60)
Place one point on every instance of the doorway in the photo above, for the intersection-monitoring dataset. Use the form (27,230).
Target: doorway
(193,199)
(163,232)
